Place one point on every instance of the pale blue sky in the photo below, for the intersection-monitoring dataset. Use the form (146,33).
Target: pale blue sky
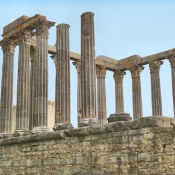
(122,28)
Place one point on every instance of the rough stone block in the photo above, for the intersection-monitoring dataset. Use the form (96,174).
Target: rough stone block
(142,157)
(88,122)
(152,158)
(62,126)
(119,117)
(149,136)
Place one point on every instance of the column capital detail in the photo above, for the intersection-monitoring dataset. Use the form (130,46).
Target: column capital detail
(24,36)
(172,60)
(100,71)
(155,66)
(118,75)
(32,53)
(8,45)
(77,65)
(42,27)
(136,70)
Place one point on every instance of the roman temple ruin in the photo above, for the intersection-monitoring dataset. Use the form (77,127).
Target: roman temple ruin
(126,144)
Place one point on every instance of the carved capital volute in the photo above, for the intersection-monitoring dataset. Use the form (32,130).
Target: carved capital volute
(155,66)
(42,27)
(172,61)
(136,70)
(77,65)
(118,75)
(8,45)
(24,37)
(100,71)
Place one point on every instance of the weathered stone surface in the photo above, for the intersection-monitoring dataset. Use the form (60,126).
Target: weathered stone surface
(5,135)
(8,47)
(136,91)
(119,98)
(23,84)
(101,94)
(39,129)
(21,132)
(62,64)
(41,76)
(15,23)
(156,88)
(87,122)
(95,150)
(61,126)
(119,117)
(88,70)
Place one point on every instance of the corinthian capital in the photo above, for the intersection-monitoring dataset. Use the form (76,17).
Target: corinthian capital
(42,27)
(8,45)
(136,70)
(100,71)
(118,75)
(155,66)
(24,37)
(172,60)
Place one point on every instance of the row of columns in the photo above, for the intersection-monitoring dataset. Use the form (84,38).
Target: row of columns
(136,90)
(32,85)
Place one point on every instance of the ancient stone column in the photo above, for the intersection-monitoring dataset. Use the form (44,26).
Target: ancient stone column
(40,123)
(101,94)
(119,99)
(8,47)
(155,88)
(62,92)
(23,84)
(32,85)
(88,71)
(172,62)
(136,91)
(77,64)
(120,115)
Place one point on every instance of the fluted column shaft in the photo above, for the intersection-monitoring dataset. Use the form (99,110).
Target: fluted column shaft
(136,91)
(88,67)
(62,97)
(119,99)
(41,75)
(8,47)
(23,84)
(172,62)
(101,94)
(155,88)
(77,64)
(32,85)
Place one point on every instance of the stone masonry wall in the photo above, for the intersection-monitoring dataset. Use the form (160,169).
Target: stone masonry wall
(142,147)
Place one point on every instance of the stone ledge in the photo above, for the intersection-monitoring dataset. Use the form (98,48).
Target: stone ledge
(145,122)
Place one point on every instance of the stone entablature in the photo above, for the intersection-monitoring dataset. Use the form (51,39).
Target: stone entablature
(144,146)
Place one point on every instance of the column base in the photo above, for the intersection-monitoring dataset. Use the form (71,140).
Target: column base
(119,117)
(88,122)
(21,132)
(62,126)
(5,135)
(39,129)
